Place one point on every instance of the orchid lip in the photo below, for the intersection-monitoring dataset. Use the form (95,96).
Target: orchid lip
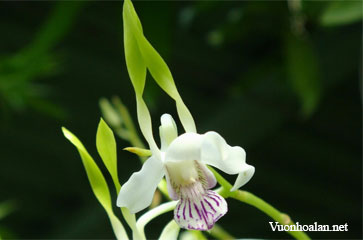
(200,213)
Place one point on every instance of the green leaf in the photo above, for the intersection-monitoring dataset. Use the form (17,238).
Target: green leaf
(303,73)
(98,184)
(341,13)
(137,72)
(106,147)
(154,62)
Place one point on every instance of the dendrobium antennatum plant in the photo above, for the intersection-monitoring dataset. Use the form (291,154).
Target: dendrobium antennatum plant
(182,161)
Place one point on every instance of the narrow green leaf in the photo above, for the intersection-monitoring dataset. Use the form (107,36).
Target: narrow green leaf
(156,65)
(98,184)
(134,60)
(106,147)
(137,72)
(341,13)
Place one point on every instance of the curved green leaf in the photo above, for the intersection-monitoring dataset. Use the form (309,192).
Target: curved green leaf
(137,72)
(106,147)
(154,62)
(98,184)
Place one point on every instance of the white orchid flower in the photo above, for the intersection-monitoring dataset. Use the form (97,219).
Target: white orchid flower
(182,160)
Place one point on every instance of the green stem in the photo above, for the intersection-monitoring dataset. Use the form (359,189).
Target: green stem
(275,214)
(258,203)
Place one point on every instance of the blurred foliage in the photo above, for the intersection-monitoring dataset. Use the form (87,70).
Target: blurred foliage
(20,72)
(303,72)
(341,13)
(6,208)
(277,79)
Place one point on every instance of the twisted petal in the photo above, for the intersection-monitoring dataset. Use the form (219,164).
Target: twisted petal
(137,193)
(200,213)
(210,148)
(232,160)
(168,130)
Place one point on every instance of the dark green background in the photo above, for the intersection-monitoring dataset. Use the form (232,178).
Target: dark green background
(292,101)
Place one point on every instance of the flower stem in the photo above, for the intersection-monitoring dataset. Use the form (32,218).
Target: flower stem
(258,203)
(275,214)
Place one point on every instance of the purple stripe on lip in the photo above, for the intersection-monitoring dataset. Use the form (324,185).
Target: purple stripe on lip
(190,209)
(205,217)
(217,202)
(210,205)
(177,212)
(196,208)
(214,194)
(184,209)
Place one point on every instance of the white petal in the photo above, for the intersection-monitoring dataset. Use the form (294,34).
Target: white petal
(185,147)
(243,177)
(232,160)
(168,131)
(137,193)
(200,213)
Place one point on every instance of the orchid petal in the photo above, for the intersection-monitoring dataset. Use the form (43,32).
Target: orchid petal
(185,147)
(243,177)
(168,131)
(200,213)
(137,193)
(232,160)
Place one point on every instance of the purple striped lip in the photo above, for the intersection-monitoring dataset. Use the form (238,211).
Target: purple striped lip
(204,211)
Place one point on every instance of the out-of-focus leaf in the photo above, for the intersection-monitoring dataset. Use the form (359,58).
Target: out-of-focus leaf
(109,113)
(6,208)
(98,184)
(106,147)
(341,13)
(156,65)
(18,72)
(56,26)
(303,72)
